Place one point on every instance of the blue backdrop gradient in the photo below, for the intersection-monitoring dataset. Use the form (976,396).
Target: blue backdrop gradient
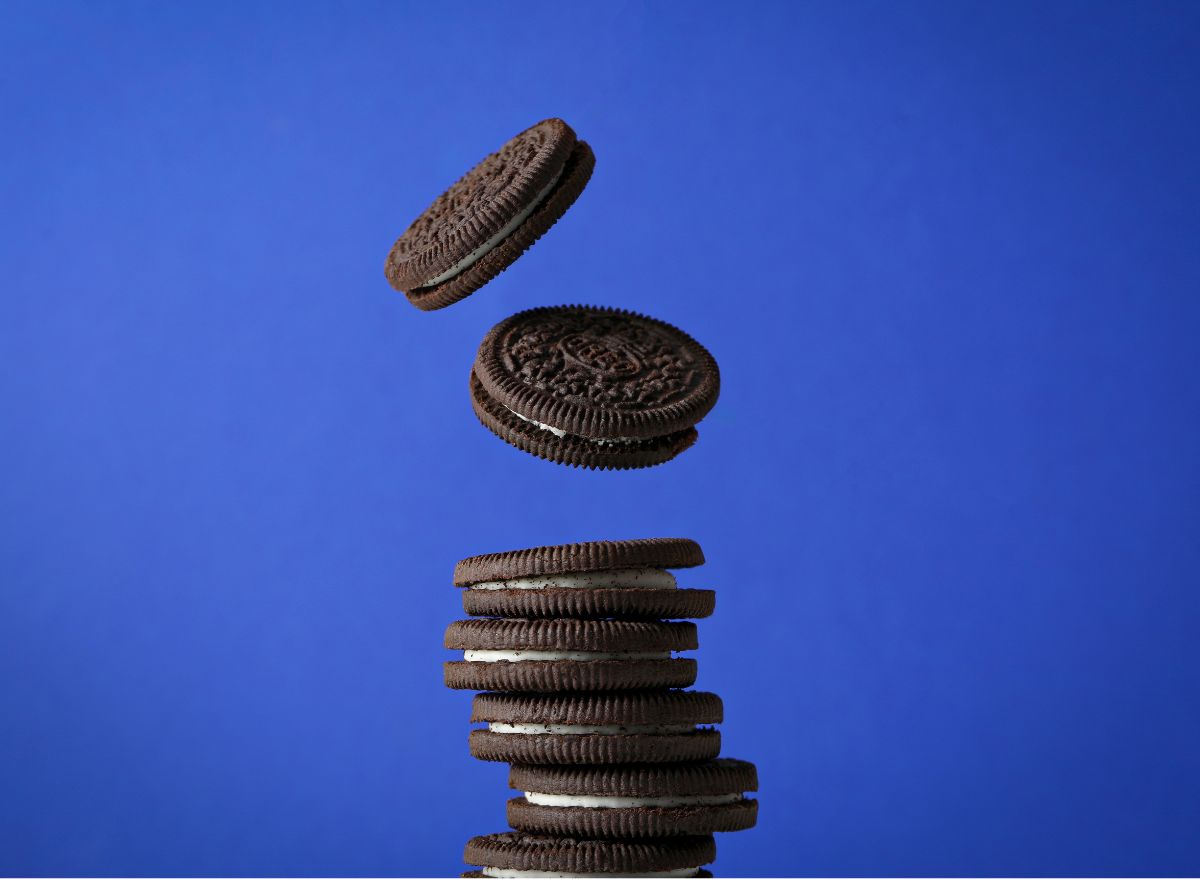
(946,255)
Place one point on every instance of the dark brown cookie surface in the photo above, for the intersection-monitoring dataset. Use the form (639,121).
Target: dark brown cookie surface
(626,709)
(622,579)
(571,450)
(593,387)
(479,874)
(631,822)
(711,778)
(591,636)
(573,558)
(523,851)
(489,217)
(545,656)
(534,676)
(646,604)
(580,749)
(634,801)
(596,728)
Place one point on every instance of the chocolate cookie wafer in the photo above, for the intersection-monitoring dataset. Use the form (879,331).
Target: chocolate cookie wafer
(484,222)
(676,799)
(523,854)
(648,726)
(626,579)
(593,387)
(547,656)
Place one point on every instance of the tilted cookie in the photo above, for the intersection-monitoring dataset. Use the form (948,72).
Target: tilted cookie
(626,579)
(675,799)
(548,656)
(647,726)
(593,387)
(480,226)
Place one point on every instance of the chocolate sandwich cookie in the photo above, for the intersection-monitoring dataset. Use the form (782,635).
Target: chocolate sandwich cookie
(480,226)
(593,387)
(648,726)
(626,579)
(546,656)
(674,799)
(520,855)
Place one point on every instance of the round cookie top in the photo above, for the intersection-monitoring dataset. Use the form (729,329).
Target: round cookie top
(590,636)
(482,203)
(523,851)
(712,777)
(646,708)
(572,558)
(598,373)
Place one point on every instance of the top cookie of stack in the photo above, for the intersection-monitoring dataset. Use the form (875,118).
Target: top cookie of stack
(619,579)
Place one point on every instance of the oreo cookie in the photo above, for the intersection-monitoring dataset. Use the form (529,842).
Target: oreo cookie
(634,801)
(593,387)
(546,656)
(515,854)
(625,579)
(652,726)
(480,226)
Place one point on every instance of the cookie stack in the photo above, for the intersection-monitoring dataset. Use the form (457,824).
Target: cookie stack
(617,766)
(575,648)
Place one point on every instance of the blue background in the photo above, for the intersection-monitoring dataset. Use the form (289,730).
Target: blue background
(946,255)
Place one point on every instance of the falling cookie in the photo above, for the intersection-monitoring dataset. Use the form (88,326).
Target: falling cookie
(593,387)
(626,579)
(480,226)
(678,799)
(546,656)
(526,855)
(653,726)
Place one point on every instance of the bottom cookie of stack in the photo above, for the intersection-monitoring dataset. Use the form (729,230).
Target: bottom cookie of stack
(526,856)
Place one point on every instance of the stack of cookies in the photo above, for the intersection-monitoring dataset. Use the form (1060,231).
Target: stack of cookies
(575,647)
(617,766)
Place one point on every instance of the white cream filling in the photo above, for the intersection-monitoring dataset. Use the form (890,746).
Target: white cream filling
(560,433)
(481,251)
(626,578)
(605,729)
(589,802)
(499,873)
(577,655)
